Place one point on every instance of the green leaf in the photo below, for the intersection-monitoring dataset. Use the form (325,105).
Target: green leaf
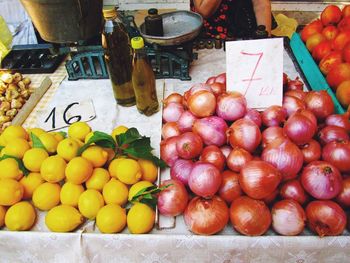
(150,202)
(1,147)
(129,136)
(36,141)
(101,139)
(19,161)
(64,134)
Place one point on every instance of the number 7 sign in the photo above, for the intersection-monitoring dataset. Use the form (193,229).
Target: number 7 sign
(255,69)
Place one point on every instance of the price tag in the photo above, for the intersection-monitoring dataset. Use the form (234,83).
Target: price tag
(62,116)
(255,69)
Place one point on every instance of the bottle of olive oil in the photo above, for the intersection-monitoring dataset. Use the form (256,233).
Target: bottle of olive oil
(118,57)
(143,79)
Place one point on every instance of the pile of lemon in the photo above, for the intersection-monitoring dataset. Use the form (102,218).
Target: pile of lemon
(71,188)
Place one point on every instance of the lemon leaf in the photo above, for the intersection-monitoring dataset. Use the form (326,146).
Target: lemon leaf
(36,141)
(129,136)
(19,161)
(1,147)
(101,139)
(64,134)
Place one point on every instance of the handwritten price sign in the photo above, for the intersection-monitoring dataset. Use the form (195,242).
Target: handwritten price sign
(255,69)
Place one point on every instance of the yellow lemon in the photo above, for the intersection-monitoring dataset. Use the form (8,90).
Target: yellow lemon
(33,158)
(88,136)
(49,141)
(53,169)
(2,140)
(98,179)
(63,218)
(46,196)
(14,131)
(36,131)
(127,170)
(115,192)
(79,130)
(78,170)
(149,170)
(58,136)
(135,188)
(118,130)
(96,155)
(9,169)
(90,202)
(111,219)
(20,216)
(70,194)
(68,149)
(11,192)
(16,147)
(2,215)
(140,219)
(30,183)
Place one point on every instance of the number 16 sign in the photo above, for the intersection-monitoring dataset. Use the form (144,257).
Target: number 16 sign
(255,69)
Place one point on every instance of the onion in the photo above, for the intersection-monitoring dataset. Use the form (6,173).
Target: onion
(172,112)
(210,80)
(170,129)
(173,200)
(181,170)
(320,103)
(326,218)
(254,116)
(245,134)
(338,154)
(189,145)
(231,106)
(250,217)
(309,115)
(206,216)
(218,88)
(321,180)
(299,94)
(168,150)
(221,78)
(344,196)
(229,189)
(293,190)
(285,79)
(332,133)
(285,156)
(295,84)
(292,104)
(205,179)
(173,97)
(202,103)
(311,151)
(340,120)
(274,116)
(185,121)
(226,149)
(271,197)
(288,217)
(196,88)
(212,154)
(271,134)
(258,179)
(237,158)
(212,130)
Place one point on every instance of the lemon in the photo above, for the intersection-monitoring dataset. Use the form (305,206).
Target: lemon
(33,158)
(115,192)
(9,169)
(2,140)
(68,149)
(20,216)
(14,131)
(2,215)
(78,170)
(79,130)
(53,169)
(70,194)
(16,147)
(58,136)
(111,219)
(30,183)
(98,179)
(88,136)
(36,131)
(96,155)
(11,191)
(63,218)
(127,170)
(46,196)
(140,219)
(49,141)
(90,202)
(149,170)
(118,130)
(135,188)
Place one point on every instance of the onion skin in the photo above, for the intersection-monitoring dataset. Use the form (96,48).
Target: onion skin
(320,103)
(274,116)
(172,112)
(250,217)
(311,151)
(181,170)
(299,94)
(173,97)
(189,145)
(271,134)
(212,130)
(340,120)
(292,105)
(295,84)
(185,121)
(229,189)
(168,150)
(293,190)
(210,80)
(344,196)
(254,116)
(326,218)
(332,133)
(218,88)
(202,104)
(237,158)
(258,179)
(212,154)
(231,106)
(206,216)
(288,217)
(170,129)
(338,154)
(221,78)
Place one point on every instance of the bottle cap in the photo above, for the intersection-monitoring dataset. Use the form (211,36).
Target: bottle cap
(153,11)
(110,12)
(137,43)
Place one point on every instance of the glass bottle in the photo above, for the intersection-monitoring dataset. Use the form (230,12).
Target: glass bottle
(118,57)
(154,23)
(143,79)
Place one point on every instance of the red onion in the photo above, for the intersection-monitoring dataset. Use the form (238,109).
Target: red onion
(250,217)
(311,151)
(205,179)
(231,106)
(344,196)
(332,133)
(285,79)
(173,200)
(189,145)
(271,197)
(172,112)
(212,130)
(295,84)
(254,116)
(285,156)
(168,150)
(274,116)
(320,103)
(258,179)
(238,158)
(292,104)
(271,134)
(326,218)
(170,129)
(221,78)
(202,103)
(196,88)
(293,190)
(340,120)
(299,94)
(181,170)
(288,217)
(210,80)
(218,88)
(321,180)
(309,115)
(229,189)
(206,216)
(338,154)
(245,134)
(212,154)
(185,122)
(226,149)
(173,97)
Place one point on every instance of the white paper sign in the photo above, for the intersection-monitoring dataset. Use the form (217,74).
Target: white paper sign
(255,69)
(58,117)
